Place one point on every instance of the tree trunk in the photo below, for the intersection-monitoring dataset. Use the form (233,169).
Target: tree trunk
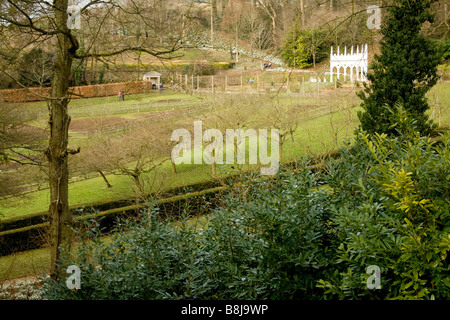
(59,215)
(313,48)
(137,183)
(213,170)
(236,43)
(108,185)
(213,165)
(445,21)
(280,151)
(302,12)
(274,29)
(273,17)
(213,4)
(174,168)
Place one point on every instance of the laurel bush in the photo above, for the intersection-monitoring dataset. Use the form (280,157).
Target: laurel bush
(391,209)
(299,235)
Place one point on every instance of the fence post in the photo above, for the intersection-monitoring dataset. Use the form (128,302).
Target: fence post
(439,110)
(318,85)
(303,84)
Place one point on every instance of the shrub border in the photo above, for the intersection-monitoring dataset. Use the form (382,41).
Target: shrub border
(31,237)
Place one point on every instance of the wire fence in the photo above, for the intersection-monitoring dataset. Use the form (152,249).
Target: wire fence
(305,83)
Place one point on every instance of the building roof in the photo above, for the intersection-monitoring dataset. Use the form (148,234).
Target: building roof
(152,74)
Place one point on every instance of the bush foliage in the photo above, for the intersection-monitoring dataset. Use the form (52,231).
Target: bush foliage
(298,235)
(303,48)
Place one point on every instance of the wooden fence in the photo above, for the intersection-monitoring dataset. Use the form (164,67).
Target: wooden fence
(307,83)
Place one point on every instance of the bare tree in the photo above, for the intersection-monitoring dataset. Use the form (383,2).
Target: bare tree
(270,8)
(232,20)
(20,144)
(94,158)
(139,153)
(31,22)
(37,68)
(256,28)
(285,117)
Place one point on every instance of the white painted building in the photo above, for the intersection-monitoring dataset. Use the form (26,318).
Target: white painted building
(353,64)
(153,76)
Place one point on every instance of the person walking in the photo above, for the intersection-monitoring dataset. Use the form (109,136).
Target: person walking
(123,95)
(120,95)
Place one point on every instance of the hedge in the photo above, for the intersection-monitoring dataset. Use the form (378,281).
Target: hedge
(22,239)
(25,232)
(107,204)
(32,237)
(28,237)
(88,91)
(171,205)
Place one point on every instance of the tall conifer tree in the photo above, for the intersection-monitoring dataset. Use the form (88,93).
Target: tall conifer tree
(404,71)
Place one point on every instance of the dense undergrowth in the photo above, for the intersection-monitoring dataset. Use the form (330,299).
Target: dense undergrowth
(386,204)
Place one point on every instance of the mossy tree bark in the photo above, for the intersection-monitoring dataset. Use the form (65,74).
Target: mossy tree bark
(57,152)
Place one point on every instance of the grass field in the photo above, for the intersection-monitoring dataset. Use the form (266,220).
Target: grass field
(333,120)
(93,189)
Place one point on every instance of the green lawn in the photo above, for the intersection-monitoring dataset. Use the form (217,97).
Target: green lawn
(94,189)
(108,106)
(311,137)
